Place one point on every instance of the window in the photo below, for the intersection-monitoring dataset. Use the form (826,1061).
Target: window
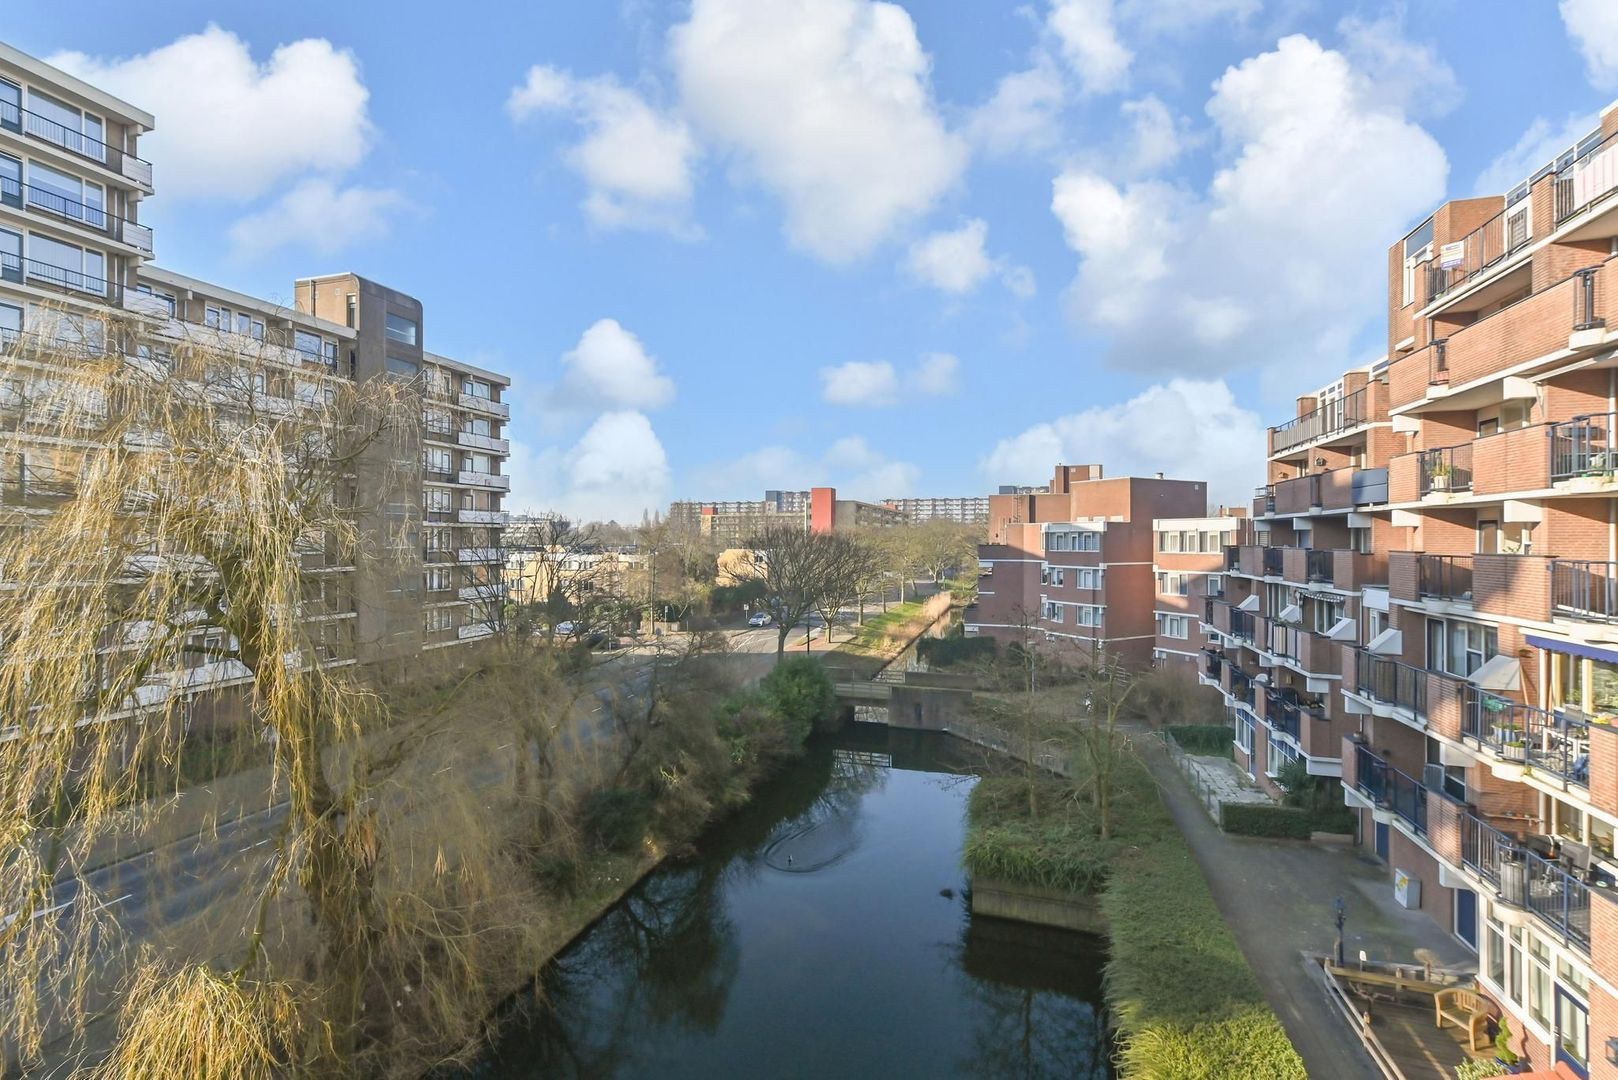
(1052,612)
(1494,949)
(437,500)
(478,425)
(1090,614)
(67,264)
(401,329)
(1327,612)
(479,463)
(436,620)
(328,352)
(1173,626)
(475,388)
(1213,585)
(403,368)
(1089,577)
(66,195)
(81,132)
(10,105)
(1459,648)
(353,309)
(1173,583)
(439,422)
(10,181)
(10,323)
(307,343)
(438,579)
(216,318)
(1168,541)
(1058,576)
(1539,981)
(437,460)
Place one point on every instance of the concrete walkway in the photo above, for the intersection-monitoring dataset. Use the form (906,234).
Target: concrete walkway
(1277,896)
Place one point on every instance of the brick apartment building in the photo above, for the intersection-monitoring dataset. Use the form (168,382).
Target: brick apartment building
(1432,604)
(73,255)
(1188,569)
(818,509)
(1071,568)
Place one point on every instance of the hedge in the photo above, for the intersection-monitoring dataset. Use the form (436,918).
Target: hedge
(954,649)
(1207,740)
(1265,819)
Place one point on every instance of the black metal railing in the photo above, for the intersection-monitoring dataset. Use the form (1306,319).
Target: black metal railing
(76,142)
(1233,557)
(1241,686)
(1241,625)
(1281,711)
(1447,468)
(1578,185)
(19,195)
(1392,682)
(1391,788)
(1582,446)
(1553,742)
(1444,577)
(1211,661)
(1481,249)
(1272,562)
(1525,880)
(1438,363)
(1265,497)
(1348,411)
(15,269)
(1585,589)
(1321,565)
(1584,299)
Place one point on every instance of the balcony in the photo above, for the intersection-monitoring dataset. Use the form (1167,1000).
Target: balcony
(482,593)
(1587,181)
(1391,683)
(483,479)
(1585,590)
(483,442)
(1556,743)
(1524,880)
(1448,469)
(485,405)
(1271,562)
(1444,577)
(473,630)
(1241,625)
(1282,712)
(1211,661)
(45,129)
(1390,789)
(1239,685)
(18,270)
(1582,448)
(1325,422)
(1264,501)
(481,517)
(1482,249)
(480,555)
(94,218)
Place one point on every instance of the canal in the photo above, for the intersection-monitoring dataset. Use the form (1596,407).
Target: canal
(823,931)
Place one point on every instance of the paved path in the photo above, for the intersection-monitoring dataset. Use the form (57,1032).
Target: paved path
(1277,896)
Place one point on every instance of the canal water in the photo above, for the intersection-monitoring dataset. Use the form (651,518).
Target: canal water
(823,931)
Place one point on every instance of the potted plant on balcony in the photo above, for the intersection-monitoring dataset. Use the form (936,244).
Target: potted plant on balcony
(1439,475)
(1503,1053)
(1515,750)
(1504,731)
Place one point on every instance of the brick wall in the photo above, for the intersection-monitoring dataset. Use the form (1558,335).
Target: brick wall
(1517,585)
(1578,393)
(1403,575)
(1574,528)
(1536,326)
(1436,900)
(1604,768)
(1515,460)
(1295,496)
(1404,478)
(1407,378)
(1443,705)
(1336,488)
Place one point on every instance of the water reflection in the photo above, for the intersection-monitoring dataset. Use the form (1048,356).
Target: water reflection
(822,931)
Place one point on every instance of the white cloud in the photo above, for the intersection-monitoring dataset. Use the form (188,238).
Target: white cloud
(1169,17)
(1396,72)
(867,383)
(609,369)
(1538,146)
(827,104)
(1156,137)
(230,127)
(319,216)
(1186,429)
(1593,26)
(617,470)
(955,261)
(1090,44)
(1024,113)
(1283,259)
(937,374)
(636,160)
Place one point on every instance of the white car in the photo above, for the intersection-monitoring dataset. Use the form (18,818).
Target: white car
(760,618)
(565,629)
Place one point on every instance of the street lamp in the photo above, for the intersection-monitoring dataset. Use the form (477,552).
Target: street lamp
(1341,916)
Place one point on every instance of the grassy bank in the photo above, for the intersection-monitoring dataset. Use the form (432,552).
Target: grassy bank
(1182,996)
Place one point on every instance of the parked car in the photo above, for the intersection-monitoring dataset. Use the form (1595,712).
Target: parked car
(565,629)
(760,618)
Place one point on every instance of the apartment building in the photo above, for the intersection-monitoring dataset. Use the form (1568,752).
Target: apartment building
(819,509)
(1453,628)
(966,510)
(1071,569)
(73,255)
(1188,570)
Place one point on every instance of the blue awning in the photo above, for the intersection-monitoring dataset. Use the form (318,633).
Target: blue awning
(1573,648)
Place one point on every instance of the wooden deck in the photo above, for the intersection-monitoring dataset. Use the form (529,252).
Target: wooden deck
(1402,1037)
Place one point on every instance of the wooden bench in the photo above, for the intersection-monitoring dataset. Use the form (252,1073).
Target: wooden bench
(1466,1009)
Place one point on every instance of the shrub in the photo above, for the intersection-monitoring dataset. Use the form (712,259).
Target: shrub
(1320,796)
(1210,740)
(954,648)
(801,694)
(1262,819)
(1059,849)
(616,819)
(1478,1069)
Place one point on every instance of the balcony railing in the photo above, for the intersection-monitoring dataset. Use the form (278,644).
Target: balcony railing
(1272,562)
(1332,418)
(1391,789)
(18,270)
(1481,249)
(1241,686)
(1585,589)
(1557,743)
(13,118)
(16,194)
(1525,880)
(1321,565)
(1211,661)
(1448,468)
(1583,447)
(1233,557)
(1281,711)
(1444,577)
(1241,625)
(1584,300)
(1264,500)
(1587,180)
(1392,682)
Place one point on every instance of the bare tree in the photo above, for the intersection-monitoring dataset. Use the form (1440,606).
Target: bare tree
(846,569)
(941,545)
(551,570)
(794,566)
(1107,686)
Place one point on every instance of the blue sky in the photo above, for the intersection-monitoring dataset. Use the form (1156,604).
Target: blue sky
(921,249)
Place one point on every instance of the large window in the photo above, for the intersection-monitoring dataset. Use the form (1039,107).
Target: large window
(1173,583)
(405,369)
(402,329)
(67,195)
(10,105)
(1459,648)
(305,342)
(83,132)
(67,264)
(10,181)
(1173,626)
(437,460)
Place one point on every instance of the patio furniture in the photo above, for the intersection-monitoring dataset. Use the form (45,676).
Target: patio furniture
(1466,1009)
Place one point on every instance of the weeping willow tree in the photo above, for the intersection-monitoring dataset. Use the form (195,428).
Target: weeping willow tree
(167,507)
